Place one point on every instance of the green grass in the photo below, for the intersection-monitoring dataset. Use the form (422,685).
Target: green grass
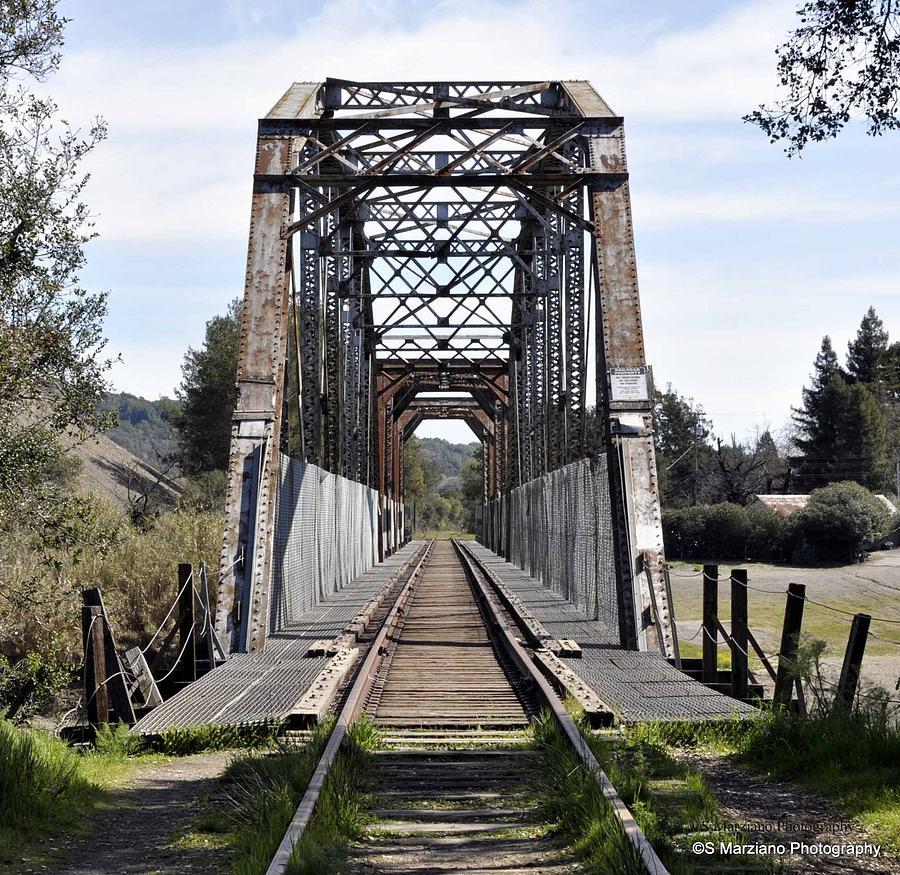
(671,802)
(849,756)
(41,787)
(184,741)
(766,609)
(571,798)
(47,788)
(339,816)
(263,790)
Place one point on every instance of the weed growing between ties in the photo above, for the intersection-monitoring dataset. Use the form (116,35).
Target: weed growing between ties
(572,799)
(265,790)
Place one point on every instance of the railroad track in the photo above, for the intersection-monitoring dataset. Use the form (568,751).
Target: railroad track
(453,692)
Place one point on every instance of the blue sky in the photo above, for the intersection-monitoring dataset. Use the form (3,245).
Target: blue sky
(745,258)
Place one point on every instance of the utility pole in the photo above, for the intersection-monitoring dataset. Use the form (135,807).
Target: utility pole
(696,458)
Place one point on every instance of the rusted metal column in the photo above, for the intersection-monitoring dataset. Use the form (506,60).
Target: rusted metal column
(253,468)
(623,379)
(576,364)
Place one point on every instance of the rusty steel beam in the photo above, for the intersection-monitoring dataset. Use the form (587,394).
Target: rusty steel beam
(245,564)
(627,427)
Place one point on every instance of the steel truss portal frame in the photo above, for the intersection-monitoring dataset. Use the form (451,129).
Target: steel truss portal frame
(412,238)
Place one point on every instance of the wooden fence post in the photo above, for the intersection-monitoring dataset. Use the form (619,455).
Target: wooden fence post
(710,672)
(739,637)
(117,686)
(187,632)
(790,639)
(96,696)
(853,657)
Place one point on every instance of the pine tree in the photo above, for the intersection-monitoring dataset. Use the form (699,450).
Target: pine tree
(866,352)
(842,429)
(825,370)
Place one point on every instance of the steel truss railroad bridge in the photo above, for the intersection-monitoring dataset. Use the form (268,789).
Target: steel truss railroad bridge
(421,250)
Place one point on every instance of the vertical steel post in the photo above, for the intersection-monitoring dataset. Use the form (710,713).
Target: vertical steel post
(253,467)
(624,397)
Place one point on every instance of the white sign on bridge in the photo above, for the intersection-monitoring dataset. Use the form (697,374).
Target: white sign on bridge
(628,384)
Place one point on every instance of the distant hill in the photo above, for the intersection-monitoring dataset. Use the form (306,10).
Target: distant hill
(449,458)
(144,429)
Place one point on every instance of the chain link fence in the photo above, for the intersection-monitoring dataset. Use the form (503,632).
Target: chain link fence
(558,529)
(326,534)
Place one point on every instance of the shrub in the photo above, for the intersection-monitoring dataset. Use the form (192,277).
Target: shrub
(840,518)
(34,682)
(728,531)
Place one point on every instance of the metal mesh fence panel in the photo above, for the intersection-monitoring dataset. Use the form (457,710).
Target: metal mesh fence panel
(326,533)
(560,532)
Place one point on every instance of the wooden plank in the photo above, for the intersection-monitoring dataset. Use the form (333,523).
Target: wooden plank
(790,639)
(853,657)
(143,677)
(739,634)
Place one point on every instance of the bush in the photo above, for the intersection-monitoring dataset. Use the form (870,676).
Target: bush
(840,518)
(34,682)
(728,531)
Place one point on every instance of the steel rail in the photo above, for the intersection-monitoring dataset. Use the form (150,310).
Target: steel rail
(355,700)
(633,833)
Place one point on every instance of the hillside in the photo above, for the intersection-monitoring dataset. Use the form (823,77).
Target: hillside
(144,427)
(110,470)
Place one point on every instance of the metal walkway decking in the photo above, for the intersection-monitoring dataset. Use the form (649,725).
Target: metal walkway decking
(637,686)
(265,687)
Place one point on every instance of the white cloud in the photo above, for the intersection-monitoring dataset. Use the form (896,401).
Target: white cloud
(742,341)
(182,126)
(657,210)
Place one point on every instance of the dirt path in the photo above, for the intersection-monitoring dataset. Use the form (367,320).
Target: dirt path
(134,835)
(747,798)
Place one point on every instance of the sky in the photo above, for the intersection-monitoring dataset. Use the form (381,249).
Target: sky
(746,258)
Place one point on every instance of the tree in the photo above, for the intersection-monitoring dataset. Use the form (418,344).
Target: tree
(740,471)
(207,394)
(52,369)
(52,373)
(843,437)
(773,476)
(840,518)
(867,351)
(843,61)
(684,457)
